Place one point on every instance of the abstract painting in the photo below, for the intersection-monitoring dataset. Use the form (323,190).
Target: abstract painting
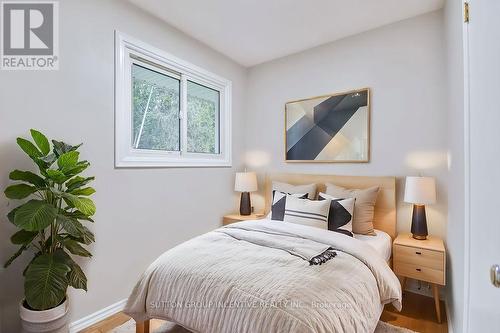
(332,128)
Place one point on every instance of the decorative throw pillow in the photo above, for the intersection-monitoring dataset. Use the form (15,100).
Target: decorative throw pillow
(307,212)
(341,212)
(279,200)
(362,222)
(288,188)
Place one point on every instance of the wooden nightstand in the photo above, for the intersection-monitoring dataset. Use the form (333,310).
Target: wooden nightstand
(424,260)
(232,218)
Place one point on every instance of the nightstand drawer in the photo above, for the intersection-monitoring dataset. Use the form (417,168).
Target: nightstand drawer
(420,257)
(419,272)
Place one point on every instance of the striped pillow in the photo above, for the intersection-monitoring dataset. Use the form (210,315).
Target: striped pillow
(307,212)
(278,206)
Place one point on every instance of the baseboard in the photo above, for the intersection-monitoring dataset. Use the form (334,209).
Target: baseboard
(448,318)
(97,316)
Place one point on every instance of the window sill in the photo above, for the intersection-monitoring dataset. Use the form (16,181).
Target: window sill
(172,163)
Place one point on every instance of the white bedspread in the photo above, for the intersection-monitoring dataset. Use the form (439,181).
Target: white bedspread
(381,242)
(218,283)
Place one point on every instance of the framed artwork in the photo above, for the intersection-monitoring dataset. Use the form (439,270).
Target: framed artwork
(331,128)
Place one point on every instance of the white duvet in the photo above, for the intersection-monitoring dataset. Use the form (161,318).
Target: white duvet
(250,277)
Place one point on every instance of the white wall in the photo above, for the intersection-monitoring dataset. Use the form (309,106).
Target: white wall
(404,66)
(140,212)
(456,202)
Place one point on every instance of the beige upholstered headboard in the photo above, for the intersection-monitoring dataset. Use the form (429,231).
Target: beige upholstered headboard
(385,207)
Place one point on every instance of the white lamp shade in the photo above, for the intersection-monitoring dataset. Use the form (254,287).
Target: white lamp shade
(245,182)
(420,190)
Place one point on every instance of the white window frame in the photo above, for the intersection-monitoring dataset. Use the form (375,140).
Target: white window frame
(127,50)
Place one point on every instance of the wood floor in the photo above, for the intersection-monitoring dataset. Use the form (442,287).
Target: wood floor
(107,324)
(418,314)
(116,320)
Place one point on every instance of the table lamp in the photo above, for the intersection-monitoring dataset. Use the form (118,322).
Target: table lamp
(245,183)
(420,191)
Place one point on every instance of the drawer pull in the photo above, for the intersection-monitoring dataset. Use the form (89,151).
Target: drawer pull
(419,270)
(418,253)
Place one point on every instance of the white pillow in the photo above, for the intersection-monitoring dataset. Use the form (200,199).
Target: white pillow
(293,189)
(341,212)
(313,213)
(279,201)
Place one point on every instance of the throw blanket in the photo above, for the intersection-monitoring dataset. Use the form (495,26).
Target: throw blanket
(313,252)
(237,279)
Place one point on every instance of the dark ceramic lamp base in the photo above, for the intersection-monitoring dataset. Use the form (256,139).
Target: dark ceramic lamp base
(245,207)
(419,223)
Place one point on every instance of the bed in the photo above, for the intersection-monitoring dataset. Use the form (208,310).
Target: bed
(257,276)
(381,243)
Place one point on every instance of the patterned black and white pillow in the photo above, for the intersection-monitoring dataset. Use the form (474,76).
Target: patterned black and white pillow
(279,202)
(312,213)
(341,213)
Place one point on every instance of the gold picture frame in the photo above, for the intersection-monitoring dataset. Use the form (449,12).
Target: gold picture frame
(332,128)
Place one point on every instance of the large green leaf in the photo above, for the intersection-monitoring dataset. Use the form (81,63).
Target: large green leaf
(61,147)
(70,224)
(29,148)
(78,215)
(42,166)
(23,237)
(86,236)
(69,204)
(68,160)
(46,281)
(41,141)
(74,228)
(15,255)
(83,191)
(11,215)
(57,176)
(76,169)
(35,215)
(84,205)
(77,182)
(76,277)
(34,257)
(74,247)
(27,176)
(19,191)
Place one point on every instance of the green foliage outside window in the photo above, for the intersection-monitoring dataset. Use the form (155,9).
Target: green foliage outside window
(158,95)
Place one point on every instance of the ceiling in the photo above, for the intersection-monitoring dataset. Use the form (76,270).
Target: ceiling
(255,31)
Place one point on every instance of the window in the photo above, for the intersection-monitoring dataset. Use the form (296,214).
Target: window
(202,119)
(155,110)
(169,113)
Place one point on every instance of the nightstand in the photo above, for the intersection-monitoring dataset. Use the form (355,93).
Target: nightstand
(424,260)
(232,218)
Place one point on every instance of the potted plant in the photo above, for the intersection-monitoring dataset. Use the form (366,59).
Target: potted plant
(50,227)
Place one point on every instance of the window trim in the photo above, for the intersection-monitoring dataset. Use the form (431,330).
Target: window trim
(128,157)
